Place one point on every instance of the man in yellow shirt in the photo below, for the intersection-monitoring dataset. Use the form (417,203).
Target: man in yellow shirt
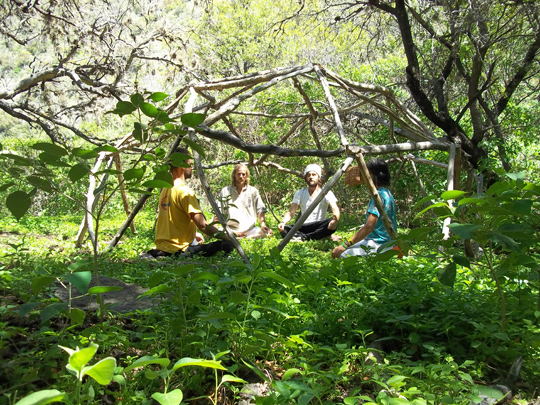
(180,216)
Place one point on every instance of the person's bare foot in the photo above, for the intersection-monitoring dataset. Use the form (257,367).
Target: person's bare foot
(335,238)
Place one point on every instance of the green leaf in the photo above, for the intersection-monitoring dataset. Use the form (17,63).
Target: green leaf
(135,173)
(106,148)
(43,397)
(124,108)
(42,281)
(137,132)
(503,240)
(102,371)
(447,276)
(193,119)
(236,297)
(232,378)
(25,309)
(464,231)
(520,176)
(179,159)
(50,148)
(436,205)
(78,171)
(163,117)
(158,96)
(148,109)
(137,99)
(452,194)
(77,316)
(40,183)
(100,289)
(290,372)
(164,176)
(462,261)
(522,206)
(79,264)
(194,146)
(80,358)
(140,191)
(52,160)
(156,184)
(162,288)
(206,276)
(52,310)
(18,203)
(146,360)
(471,200)
(171,398)
(277,277)
(188,361)
(4,187)
(84,153)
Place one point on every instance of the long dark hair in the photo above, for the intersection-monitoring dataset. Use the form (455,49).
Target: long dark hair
(379,171)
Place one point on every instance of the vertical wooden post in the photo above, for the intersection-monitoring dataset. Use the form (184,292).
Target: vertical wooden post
(450,186)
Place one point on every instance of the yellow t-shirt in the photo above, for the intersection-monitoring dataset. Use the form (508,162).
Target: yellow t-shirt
(175,230)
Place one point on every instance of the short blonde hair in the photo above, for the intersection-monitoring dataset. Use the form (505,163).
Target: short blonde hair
(235,170)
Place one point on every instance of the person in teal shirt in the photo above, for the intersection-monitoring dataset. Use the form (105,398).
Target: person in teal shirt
(370,238)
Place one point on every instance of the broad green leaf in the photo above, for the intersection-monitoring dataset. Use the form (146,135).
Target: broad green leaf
(188,361)
(447,276)
(151,374)
(464,231)
(207,276)
(42,281)
(194,146)
(306,398)
(436,205)
(136,99)
(79,264)
(156,184)
(522,206)
(276,277)
(520,176)
(81,357)
(135,173)
(139,191)
(498,188)
(80,280)
(50,148)
(452,194)
(282,388)
(19,160)
(99,189)
(462,261)
(183,270)
(77,316)
(163,117)
(52,160)
(100,289)
(237,297)
(24,309)
(471,200)
(395,380)
(291,372)
(162,288)
(138,132)
(503,240)
(106,148)
(43,397)
(178,159)
(146,360)
(171,398)
(84,153)
(164,176)
(124,108)
(158,96)
(78,171)
(4,187)
(232,378)
(157,277)
(52,310)
(18,203)
(193,119)
(490,392)
(148,109)
(102,371)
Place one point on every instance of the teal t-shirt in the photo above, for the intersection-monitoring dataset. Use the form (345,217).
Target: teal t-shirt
(379,234)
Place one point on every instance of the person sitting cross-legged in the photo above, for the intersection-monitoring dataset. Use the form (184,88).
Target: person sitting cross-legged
(316,226)
(373,234)
(242,205)
(180,216)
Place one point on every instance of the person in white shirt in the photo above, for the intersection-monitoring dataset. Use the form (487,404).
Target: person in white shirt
(242,206)
(316,226)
